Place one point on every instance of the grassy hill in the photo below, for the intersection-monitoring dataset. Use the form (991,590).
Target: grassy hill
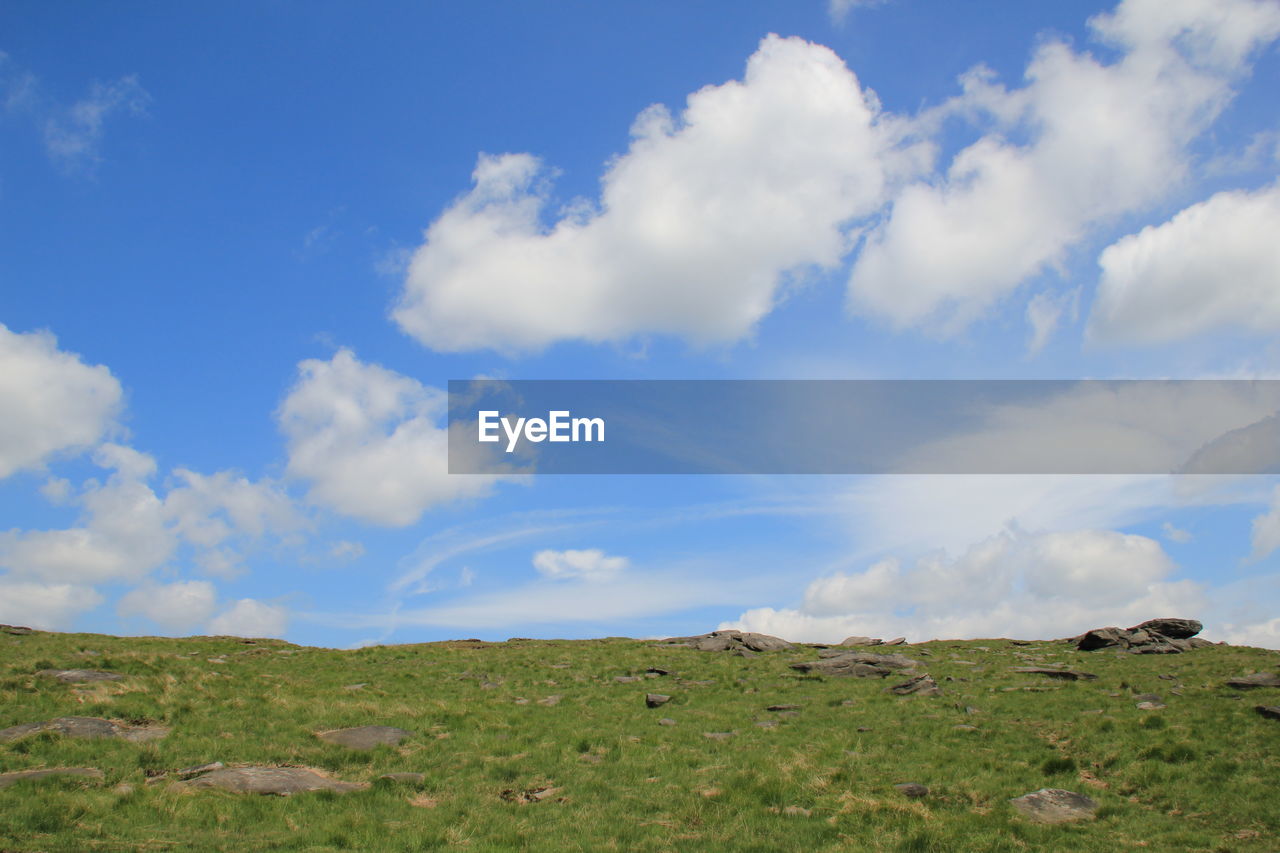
(538,745)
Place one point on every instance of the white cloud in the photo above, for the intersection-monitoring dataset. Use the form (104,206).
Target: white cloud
(589,564)
(1104,140)
(176,607)
(1012,584)
(209,509)
(52,401)
(49,607)
(838,10)
(696,232)
(250,618)
(370,441)
(1266,530)
(1264,635)
(72,135)
(122,536)
(1044,311)
(1214,265)
(1176,534)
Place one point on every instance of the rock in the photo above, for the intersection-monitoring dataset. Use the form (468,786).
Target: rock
(718,735)
(271,780)
(1257,679)
(857,665)
(1054,805)
(896,641)
(86,727)
(767,724)
(79,676)
(417,778)
(796,811)
(666,721)
(1150,706)
(1061,674)
(656,671)
(7,779)
(1102,638)
(860,641)
(921,685)
(188,772)
(364,737)
(1199,643)
(727,641)
(19,630)
(530,795)
(361,686)
(1147,697)
(1271,712)
(912,790)
(626,679)
(783,708)
(1178,629)
(550,701)
(655,700)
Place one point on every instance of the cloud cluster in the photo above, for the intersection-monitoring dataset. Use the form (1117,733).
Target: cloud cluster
(708,217)
(1012,584)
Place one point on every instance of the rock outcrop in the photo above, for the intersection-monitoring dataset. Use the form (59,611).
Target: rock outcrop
(856,664)
(86,727)
(1153,637)
(731,641)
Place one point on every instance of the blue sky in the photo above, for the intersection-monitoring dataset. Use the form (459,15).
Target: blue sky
(243,248)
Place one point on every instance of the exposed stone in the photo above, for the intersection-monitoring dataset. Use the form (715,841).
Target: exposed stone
(364,737)
(666,721)
(860,641)
(188,772)
(1271,712)
(626,679)
(550,701)
(78,676)
(655,700)
(530,795)
(921,685)
(726,641)
(657,671)
(1178,629)
(20,630)
(796,811)
(856,664)
(1062,674)
(86,727)
(362,685)
(1150,706)
(912,790)
(896,641)
(282,781)
(7,779)
(1257,679)
(718,735)
(1054,805)
(783,708)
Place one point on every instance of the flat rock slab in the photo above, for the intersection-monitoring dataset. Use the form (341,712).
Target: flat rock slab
(656,700)
(79,676)
(856,664)
(20,630)
(921,685)
(1054,805)
(1271,712)
(727,641)
(1179,629)
(282,781)
(1050,672)
(1257,679)
(7,779)
(364,737)
(912,790)
(86,727)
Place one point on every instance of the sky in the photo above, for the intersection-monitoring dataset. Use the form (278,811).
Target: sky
(245,246)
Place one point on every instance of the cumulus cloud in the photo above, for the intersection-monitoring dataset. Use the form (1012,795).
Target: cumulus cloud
(1214,265)
(122,535)
(176,607)
(250,618)
(1264,635)
(1104,140)
(48,607)
(1012,584)
(52,401)
(207,510)
(698,228)
(371,442)
(588,564)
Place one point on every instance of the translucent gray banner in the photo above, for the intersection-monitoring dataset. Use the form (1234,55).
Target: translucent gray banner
(864,427)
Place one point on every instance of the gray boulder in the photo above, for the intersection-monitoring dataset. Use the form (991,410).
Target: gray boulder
(1054,805)
(1060,674)
(86,727)
(921,685)
(1178,629)
(364,737)
(731,641)
(7,779)
(282,781)
(1257,679)
(78,676)
(857,664)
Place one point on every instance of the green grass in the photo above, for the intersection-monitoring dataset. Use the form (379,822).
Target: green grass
(1198,775)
